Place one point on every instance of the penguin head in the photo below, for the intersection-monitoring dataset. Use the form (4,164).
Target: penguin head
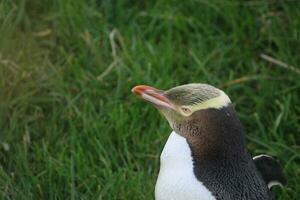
(201,113)
(182,103)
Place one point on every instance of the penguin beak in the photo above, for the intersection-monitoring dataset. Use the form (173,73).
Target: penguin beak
(152,95)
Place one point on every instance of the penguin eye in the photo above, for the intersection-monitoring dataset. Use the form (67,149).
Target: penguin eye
(185,110)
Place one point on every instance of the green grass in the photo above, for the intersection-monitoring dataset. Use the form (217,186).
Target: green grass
(70,127)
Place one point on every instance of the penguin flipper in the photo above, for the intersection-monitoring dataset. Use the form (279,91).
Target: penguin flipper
(270,170)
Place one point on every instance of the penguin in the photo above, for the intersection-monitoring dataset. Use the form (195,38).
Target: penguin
(205,156)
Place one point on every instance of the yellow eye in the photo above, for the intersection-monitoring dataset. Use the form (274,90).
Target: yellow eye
(186,110)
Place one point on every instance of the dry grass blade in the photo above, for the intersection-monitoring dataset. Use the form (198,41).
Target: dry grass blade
(238,81)
(113,45)
(279,63)
(8,63)
(43,33)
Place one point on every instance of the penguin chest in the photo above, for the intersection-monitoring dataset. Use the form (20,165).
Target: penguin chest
(176,179)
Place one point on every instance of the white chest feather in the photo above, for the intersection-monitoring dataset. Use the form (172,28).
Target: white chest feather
(176,180)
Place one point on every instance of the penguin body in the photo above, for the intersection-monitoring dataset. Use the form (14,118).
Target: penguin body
(222,175)
(205,157)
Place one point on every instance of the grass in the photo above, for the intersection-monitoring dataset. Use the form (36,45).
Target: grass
(71,129)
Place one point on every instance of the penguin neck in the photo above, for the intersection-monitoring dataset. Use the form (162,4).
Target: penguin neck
(214,134)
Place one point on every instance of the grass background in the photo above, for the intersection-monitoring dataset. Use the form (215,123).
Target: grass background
(70,127)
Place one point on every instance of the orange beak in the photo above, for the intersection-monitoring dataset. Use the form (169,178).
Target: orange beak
(152,95)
